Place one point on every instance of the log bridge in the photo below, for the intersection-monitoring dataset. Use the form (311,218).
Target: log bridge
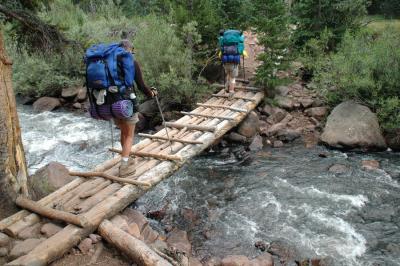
(84,205)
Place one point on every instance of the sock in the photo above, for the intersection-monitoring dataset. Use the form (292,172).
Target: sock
(124,159)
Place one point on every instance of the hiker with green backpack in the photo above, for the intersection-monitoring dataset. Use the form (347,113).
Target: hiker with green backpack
(231,43)
(111,72)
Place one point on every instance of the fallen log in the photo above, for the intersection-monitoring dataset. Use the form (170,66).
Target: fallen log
(137,250)
(110,177)
(234,97)
(49,212)
(246,88)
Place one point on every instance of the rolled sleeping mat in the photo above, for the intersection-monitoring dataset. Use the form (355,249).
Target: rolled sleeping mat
(120,109)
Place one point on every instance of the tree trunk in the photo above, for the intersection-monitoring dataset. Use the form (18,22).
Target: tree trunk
(13,171)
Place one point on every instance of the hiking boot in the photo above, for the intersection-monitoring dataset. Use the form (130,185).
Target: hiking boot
(230,95)
(127,168)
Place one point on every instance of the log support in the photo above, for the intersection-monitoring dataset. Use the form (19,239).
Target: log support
(151,155)
(49,212)
(234,97)
(223,107)
(172,139)
(189,126)
(110,177)
(209,116)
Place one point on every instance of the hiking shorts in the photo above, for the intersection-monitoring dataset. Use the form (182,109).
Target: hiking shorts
(231,72)
(130,120)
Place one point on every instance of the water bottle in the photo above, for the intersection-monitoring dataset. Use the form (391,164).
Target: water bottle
(132,96)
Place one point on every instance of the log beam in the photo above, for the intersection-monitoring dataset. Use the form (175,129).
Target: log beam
(109,177)
(245,88)
(209,116)
(234,97)
(190,127)
(223,107)
(138,251)
(49,212)
(151,155)
(172,139)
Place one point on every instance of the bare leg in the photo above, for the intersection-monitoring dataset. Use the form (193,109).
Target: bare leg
(127,135)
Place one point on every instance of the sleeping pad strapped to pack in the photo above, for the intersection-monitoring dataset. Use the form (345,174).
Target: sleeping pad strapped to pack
(110,75)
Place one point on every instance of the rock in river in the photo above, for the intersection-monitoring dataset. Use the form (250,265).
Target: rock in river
(46,104)
(351,125)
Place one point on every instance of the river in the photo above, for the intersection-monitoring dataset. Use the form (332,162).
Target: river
(284,195)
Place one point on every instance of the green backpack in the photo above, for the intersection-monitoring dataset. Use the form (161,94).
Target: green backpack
(232,46)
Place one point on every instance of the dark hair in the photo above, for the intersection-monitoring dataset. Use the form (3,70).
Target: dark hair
(221,32)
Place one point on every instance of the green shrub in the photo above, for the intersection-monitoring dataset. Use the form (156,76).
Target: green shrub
(365,69)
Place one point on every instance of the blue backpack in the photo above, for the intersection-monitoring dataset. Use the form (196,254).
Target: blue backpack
(109,65)
(111,68)
(232,46)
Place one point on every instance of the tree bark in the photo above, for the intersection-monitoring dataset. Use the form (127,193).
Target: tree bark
(13,171)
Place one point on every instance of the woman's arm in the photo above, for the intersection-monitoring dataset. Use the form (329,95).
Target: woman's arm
(140,82)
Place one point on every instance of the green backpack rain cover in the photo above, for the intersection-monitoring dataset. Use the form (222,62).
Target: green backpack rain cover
(232,38)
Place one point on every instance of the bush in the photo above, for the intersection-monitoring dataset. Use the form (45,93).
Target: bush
(338,16)
(164,57)
(365,69)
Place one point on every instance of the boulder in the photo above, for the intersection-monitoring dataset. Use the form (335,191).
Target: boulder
(275,128)
(86,245)
(178,239)
(149,108)
(149,235)
(249,126)
(284,102)
(235,260)
(351,125)
(236,137)
(282,90)
(44,104)
(142,124)
(31,232)
(133,229)
(23,247)
(48,179)
(265,259)
(277,116)
(288,135)
(338,169)
(82,94)
(268,110)
(4,240)
(194,262)
(306,102)
(370,164)
(277,144)
(3,252)
(70,92)
(256,144)
(77,105)
(95,238)
(317,112)
(135,216)
(213,261)
(392,138)
(50,229)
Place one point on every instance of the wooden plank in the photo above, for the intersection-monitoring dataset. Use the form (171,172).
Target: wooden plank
(190,127)
(209,116)
(172,139)
(151,155)
(245,88)
(223,106)
(109,177)
(49,212)
(235,97)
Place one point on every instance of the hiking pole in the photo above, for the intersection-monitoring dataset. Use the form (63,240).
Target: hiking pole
(112,136)
(244,71)
(163,120)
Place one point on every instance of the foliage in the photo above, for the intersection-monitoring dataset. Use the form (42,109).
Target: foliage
(365,69)
(165,58)
(271,23)
(338,16)
(388,8)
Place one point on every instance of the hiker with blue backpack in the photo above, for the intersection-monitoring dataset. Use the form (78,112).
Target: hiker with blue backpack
(231,43)
(111,72)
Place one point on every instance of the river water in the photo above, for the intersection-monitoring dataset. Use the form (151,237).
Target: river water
(285,196)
